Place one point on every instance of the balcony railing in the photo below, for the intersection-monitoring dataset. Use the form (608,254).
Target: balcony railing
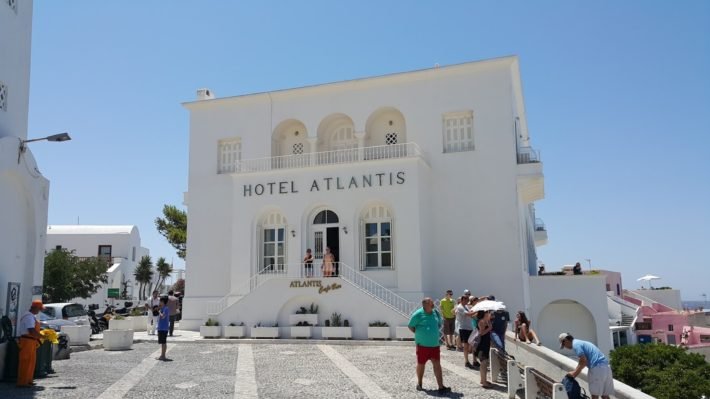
(528,155)
(640,325)
(335,157)
(539,225)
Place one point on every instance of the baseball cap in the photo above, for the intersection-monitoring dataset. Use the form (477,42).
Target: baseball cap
(563,337)
(37,304)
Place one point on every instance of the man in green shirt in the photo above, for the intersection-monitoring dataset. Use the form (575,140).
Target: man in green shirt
(447,310)
(425,323)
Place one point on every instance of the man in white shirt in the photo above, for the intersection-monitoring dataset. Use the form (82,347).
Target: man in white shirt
(29,341)
(153,302)
(463,316)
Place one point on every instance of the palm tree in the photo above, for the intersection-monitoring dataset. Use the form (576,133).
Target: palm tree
(164,269)
(143,275)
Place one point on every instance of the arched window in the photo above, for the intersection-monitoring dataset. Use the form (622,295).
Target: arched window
(325,217)
(376,238)
(272,243)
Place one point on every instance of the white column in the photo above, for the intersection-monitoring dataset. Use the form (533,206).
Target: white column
(360,136)
(313,141)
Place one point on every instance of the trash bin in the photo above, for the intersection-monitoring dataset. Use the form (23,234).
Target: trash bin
(11,358)
(61,350)
(43,366)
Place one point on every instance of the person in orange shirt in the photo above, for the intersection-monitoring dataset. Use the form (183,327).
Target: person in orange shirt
(29,342)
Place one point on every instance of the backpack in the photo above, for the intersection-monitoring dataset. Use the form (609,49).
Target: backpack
(574,391)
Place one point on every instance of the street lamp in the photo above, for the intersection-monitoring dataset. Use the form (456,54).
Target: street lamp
(55,137)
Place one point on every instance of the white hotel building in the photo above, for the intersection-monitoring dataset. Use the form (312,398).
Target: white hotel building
(419,182)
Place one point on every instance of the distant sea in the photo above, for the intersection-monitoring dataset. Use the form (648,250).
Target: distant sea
(695,305)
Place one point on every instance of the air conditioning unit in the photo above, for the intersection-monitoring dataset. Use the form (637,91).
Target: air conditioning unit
(204,94)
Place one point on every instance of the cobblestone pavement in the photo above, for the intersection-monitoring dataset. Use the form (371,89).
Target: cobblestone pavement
(251,370)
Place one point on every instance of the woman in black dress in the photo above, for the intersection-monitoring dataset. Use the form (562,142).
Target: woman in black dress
(484,346)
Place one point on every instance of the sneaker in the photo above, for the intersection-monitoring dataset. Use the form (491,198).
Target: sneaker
(469,365)
(419,388)
(444,390)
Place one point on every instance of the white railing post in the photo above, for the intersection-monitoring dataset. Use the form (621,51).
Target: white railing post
(515,381)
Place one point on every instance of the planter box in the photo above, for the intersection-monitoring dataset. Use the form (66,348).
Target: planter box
(337,332)
(140,323)
(301,332)
(265,332)
(378,333)
(311,319)
(78,335)
(403,333)
(125,324)
(234,331)
(118,340)
(210,331)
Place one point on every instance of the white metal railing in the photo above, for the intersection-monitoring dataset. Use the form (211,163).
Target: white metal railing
(539,225)
(528,155)
(342,156)
(377,291)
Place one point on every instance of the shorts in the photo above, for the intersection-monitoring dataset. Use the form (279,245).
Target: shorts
(425,353)
(464,335)
(162,337)
(600,380)
(449,325)
(483,355)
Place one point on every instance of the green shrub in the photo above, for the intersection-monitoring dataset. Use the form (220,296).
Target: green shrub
(662,371)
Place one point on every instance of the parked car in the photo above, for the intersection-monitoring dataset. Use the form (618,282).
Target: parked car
(46,321)
(67,311)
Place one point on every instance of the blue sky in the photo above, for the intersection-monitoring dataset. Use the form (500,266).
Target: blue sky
(617,97)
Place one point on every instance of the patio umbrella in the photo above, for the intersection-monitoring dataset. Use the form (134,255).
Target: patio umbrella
(648,278)
(488,305)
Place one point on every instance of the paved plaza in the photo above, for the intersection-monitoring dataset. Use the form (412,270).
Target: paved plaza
(201,369)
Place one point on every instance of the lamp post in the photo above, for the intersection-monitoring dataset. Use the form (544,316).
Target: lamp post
(55,137)
(589,262)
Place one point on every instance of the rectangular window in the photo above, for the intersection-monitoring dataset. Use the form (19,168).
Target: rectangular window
(104,251)
(670,327)
(58,248)
(229,156)
(133,254)
(458,131)
(3,97)
(378,244)
(274,249)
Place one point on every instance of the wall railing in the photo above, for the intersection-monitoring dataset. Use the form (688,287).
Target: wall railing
(528,155)
(334,157)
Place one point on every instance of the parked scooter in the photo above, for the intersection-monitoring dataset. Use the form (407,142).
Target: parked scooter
(97,324)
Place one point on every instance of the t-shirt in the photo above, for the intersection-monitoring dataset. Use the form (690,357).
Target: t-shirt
(164,320)
(153,302)
(426,327)
(447,308)
(474,323)
(172,305)
(27,322)
(465,321)
(500,322)
(594,356)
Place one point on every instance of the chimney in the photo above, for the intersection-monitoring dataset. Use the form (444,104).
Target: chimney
(204,94)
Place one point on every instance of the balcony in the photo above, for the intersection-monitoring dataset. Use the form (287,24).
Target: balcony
(531,182)
(313,159)
(540,233)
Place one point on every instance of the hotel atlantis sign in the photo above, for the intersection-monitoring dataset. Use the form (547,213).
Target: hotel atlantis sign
(322,289)
(326,184)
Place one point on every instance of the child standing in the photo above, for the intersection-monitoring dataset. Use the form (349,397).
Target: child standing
(163,327)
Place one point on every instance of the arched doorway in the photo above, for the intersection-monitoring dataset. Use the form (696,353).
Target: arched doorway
(325,233)
(565,316)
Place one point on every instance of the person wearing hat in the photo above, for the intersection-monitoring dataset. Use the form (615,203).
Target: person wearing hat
(600,379)
(28,343)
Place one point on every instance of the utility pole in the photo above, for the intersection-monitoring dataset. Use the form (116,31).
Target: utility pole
(589,262)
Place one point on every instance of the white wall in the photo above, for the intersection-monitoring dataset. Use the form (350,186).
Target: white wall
(16,34)
(670,298)
(573,304)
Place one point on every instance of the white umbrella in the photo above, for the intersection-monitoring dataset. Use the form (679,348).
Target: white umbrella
(488,305)
(648,278)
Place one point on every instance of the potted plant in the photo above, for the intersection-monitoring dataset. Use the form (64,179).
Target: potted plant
(119,322)
(378,330)
(265,331)
(140,321)
(210,329)
(305,314)
(337,328)
(403,333)
(234,330)
(302,329)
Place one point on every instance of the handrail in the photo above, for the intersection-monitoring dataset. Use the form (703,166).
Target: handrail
(528,155)
(378,291)
(650,301)
(331,157)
